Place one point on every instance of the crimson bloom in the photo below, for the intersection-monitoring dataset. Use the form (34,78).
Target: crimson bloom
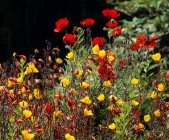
(122,62)
(151,42)
(116,32)
(98,41)
(113,24)
(48,107)
(69,39)
(61,24)
(135,46)
(87,22)
(110,13)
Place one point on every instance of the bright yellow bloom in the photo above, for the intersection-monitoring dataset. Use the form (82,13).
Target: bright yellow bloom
(70,55)
(65,82)
(119,102)
(154,95)
(110,107)
(141,126)
(156,57)
(27,135)
(30,97)
(23,104)
(112,126)
(157,113)
(88,112)
(78,73)
(37,94)
(32,119)
(86,100)
(147,118)
(112,97)
(111,58)
(9,83)
(31,69)
(20,79)
(134,81)
(95,49)
(85,85)
(101,97)
(107,83)
(160,87)
(27,113)
(57,114)
(59,61)
(134,103)
(69,137)
(102,53)
(11,91)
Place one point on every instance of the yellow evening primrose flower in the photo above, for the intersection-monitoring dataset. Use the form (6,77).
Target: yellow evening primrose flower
(65,82)
(9,83)
(119,102)
(112,126)
(102,53)
(59,61)
(154,95)
(134,81)
(23,104)
(112,97)
(147,118)
(70,55)
(31,69)
(107,83)
(111,58)
(101,97)
(78,73)
(57,114)
(69,137)
(27,135)
(134,103)
(157,113)
(30,97)
(20,79)
(11,91)
(86,100)
(85,85)
(156,57)
(160,87)
(27,113)
(88,112)
(95,49)
(37,94)
(110,107)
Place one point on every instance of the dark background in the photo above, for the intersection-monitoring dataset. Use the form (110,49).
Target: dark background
(26,24)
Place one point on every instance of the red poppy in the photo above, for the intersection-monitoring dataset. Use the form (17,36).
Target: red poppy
(122,62)
(69,39)
(116,32)
(87,22)
(98,41)
(109,24)
(110,13)
(48,107)
(135,46)
(61,24)
(151,43)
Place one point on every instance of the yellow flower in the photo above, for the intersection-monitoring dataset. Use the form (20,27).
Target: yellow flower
(112,97)
(157,113)
(95,49)
(30,97)
(57,114)
(112,126)
(156,57)
(23,104)
(20,79)
(147,118)
(160,87)
(134,81)
(59,61)
(78,73)
(110,107)
(37,94)
(86,100)
(69,137)
(119,102)
(65,82)
(88,112)
(141,126)
(27,135)
(27,113)
(154,95)
(32,119)
(101,97)
(102,53)
(107,83)
(70,55)
(31,69)
(9,83)
(11,91)
(85,85)
(111,58)
(134,103)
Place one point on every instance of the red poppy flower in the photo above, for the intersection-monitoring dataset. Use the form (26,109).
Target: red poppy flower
(61,24)
(135,46)
(48,107)
(151,43)
(110,13)
(122,62)
(112,25)
(98,40)
(69,39)
(116,32)
(87,22)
